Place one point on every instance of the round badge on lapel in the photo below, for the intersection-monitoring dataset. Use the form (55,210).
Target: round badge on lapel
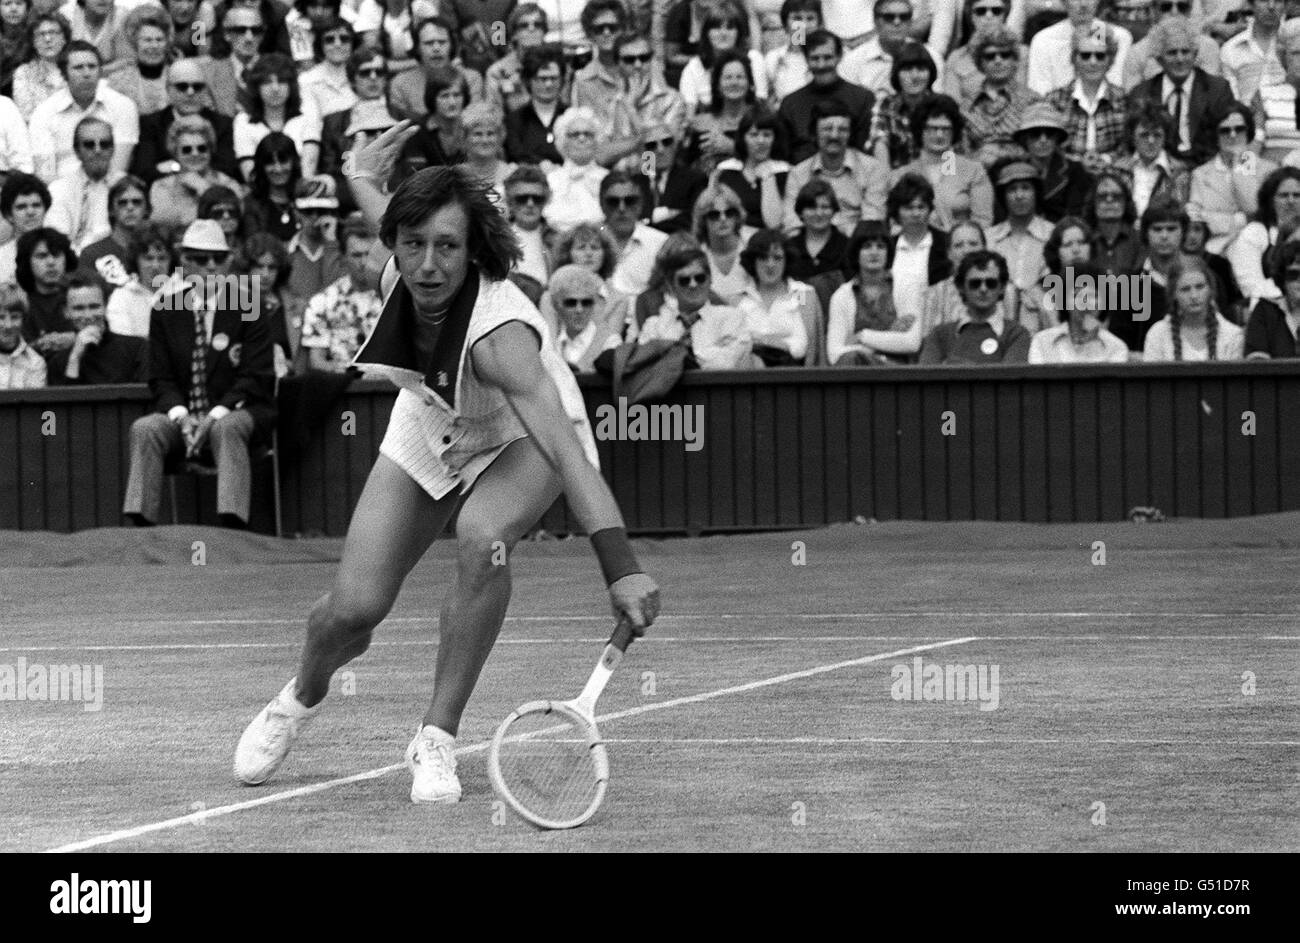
(220,342)
(235,351)
(989,347)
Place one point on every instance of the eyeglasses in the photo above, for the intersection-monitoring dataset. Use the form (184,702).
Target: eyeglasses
(1000,54)
(188,150)
(130,201)
(48,34)
(945,128)
(245,30)
(714,216)
(340,38)
(622,202)
(204,259)
(533,24)
(1150,133)
(1292,274)
(895,18)
(580,133)
(988,284)
(691,281)
(641,59)
(96,144)
(607,28)
(1109,196)
(376,73)
(1035,133)
(987,11)
(535,199)
(1183,53)
(1167,7)
(223,212)
(661,142)
(579,303)
(188,88)
(1232,130)
(1092,56)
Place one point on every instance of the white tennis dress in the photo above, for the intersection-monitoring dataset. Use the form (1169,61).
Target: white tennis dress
(446,445)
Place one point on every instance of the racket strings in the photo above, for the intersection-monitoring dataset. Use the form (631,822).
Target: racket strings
(548,767)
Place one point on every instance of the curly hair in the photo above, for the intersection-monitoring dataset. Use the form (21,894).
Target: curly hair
(493,248)
(937,105)
(148,15)
(1052,249)
(908,188)
(54,241)
(1268,192)
(1183,266)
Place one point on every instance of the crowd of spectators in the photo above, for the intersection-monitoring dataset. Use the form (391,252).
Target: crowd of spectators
(785,182)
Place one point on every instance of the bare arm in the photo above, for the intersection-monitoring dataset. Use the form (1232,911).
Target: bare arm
(368,168)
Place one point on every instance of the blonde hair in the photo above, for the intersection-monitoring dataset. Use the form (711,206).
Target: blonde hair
(13,298)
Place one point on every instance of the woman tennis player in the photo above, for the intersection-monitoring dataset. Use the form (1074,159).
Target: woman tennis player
(488,423)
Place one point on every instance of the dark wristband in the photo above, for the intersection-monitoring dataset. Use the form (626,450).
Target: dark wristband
(614,553)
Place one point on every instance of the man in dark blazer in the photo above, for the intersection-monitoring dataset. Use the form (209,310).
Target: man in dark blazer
(187,88)
(212,375)
(670,187)
(1190,94)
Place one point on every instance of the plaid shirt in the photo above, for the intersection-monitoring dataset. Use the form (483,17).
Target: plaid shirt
(992,117)
(1112,113)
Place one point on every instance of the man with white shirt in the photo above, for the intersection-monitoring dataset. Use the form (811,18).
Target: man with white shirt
(622,201)
(15,142)
(79,199)
(787,66)
(55,120)
(1250,59)
(870,64)
(1051,64)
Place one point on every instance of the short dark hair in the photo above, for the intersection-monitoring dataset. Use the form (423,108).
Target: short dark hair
(760,246)
(535,58)
(812,191)
(937,105)
(790,7)
(1164,209)
(1236,108)
(493,248)
(865,233)
(355,227)
(146,237)
(441,22)
(259,244)
(441,79)
(1150,114)
(981,258)
(360,56)
(526,173)
(628,38)
(334,25)
(1284,256)
(81,279)
(762,118)
(616,177)
(53,240)
(129,182)
(596,7)
(913,55)
(820,37)
(910,186)
(1268,190)
(20,184)
(77,45)
(681,249)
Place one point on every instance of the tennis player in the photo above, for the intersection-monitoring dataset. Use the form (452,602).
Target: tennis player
(488,423)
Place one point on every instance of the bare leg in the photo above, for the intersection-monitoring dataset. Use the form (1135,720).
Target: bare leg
(507,499)
(392,527)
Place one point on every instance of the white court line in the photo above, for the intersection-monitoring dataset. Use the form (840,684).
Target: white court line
(868,741)
(196,817)
(594,640)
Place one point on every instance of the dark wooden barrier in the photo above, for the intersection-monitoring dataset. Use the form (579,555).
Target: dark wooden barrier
(781,449)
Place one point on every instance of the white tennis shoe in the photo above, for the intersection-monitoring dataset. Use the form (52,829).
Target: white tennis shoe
(431,758)
(268,739)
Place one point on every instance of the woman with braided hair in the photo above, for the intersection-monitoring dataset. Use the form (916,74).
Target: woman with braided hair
(1193,329)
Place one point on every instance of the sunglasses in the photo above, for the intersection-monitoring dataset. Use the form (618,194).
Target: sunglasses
(223,212)
(1185,53)
(538,24)
(714,215)
(245,30)
(188,88)
(1293,274)
(536,199)
(371,73)
(204,259)
(1106,196)
(1092,56)
(945,128)
(622,202)
(130,201)
(1180,7)
(96,144)
(188,150)
(636,60)
(987,11)
(989,284)
(894,18)
(692,281)
(996,54)
(342,39)
(662,142)
(578,133)
(1232,130)
(606,28)
(579,302)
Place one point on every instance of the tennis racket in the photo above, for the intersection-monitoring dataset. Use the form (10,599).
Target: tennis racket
(547,760)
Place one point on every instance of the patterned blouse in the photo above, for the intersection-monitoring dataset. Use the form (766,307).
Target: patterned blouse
(339,319)
(892,122)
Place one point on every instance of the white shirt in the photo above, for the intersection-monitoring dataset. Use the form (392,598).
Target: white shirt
(55,120)
(869,66)
(572,349)
(1159,346)
(1145,179)
(719,338)
(533,263)
(22,368)
(911,271)
(302,129)
(372,15)
(636,261)
(79,207)
(729,286)
(781,325)
(575,195)
(1089,107)
(1055,345)
(325,91)
(1247,65)
(129,309)
(15,142)
(1051,66)
(787,71)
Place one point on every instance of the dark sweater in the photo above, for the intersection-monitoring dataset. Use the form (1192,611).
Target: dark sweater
(949,343)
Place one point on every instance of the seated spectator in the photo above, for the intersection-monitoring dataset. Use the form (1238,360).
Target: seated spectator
(596,84)
(786,65)
(1051,64)
(723,30)
(339,319)
(367,71)
(823,51)
(1081,337)
(527,195)
(982,335)
(1068,248)
(1228,292)
(223,410)
(24,202)
(1274,326)
(1020,237)
(503,82)
(1152,173)
(245,30)
(718,220)
(276,175)
(818,247)
(326,87)
(530,127)
(942,301)
(719,337)
(272,103)
(1225,191)
(192,23)
(757,178)
(966,71)
(673,186)
(575,185)
(864,326)
(187,90)
(644,105)
(223,205)
(1095,109)
(482,124)
(54,121)
(637,244)
(585,329)
(21,367)
(15,142)
(860,182)
(711,135)
(441,138)
(1193,329)
(436,48)
(870,64)
(304,25)
(1173,48)
(45,258)
(784,316)
(314,258)
(191,142)
(97,355)
(106,259)
(960,185)
(265,259)
(79,198)
(150,260)
(1064,182)
(1279,210)
(919,251)
(99,23)
(40,77)
(1110,212)
(147,33)
(592,248)
(1275,104)
(893,141)
(1162,229)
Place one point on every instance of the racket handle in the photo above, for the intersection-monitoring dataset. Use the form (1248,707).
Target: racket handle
(623,634)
